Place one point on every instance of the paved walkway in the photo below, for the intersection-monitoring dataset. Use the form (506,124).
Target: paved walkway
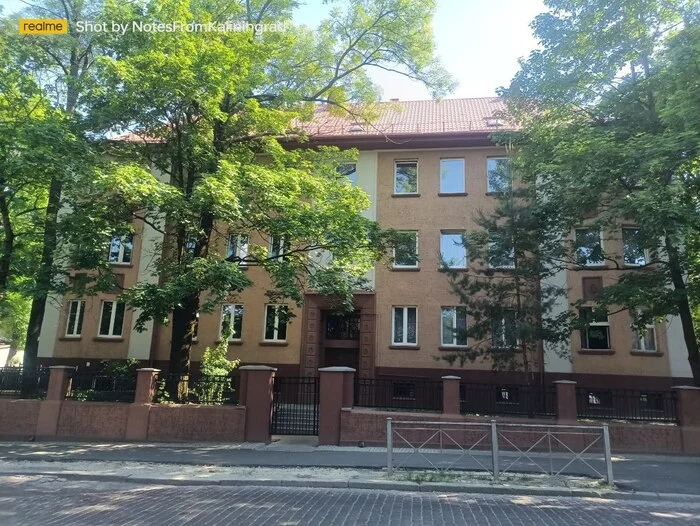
(26,500)
(659,474)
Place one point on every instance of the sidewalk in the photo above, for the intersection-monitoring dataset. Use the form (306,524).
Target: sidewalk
(653,474)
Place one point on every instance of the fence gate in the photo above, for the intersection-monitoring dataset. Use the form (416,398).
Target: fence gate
(295,406)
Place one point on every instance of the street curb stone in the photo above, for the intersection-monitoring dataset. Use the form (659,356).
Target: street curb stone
(397,485)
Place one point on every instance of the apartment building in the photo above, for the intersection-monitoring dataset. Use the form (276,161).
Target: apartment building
(427,166)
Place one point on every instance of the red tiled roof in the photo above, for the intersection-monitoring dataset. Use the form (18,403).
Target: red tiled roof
(415,117)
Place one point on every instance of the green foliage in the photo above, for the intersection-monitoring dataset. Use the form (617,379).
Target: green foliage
(215,362)
(610,136)
(125,368)
(510,292)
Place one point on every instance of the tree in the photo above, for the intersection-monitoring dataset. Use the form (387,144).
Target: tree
(610,136)
(508,295)
(208,109)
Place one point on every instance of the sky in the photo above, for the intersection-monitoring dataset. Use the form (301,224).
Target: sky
(478,41)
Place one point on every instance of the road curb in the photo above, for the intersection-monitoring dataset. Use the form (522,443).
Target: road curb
(386,485)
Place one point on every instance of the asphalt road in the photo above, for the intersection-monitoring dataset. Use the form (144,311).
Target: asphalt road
(32,500)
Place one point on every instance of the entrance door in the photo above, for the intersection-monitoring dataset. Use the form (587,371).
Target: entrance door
(340,339)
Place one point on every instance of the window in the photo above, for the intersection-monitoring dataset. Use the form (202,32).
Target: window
(634,253)
(599,399)
(349,170)
(596,334)
(403,391)
(506,395)
(499,177)
(406,177)
(589,247)
(452,176)
(404,326)
(76,312)
(120,249)
(503,331)
(453,249)
(237,249)
(644,341)
(501,251)
(278,246)
(406,250)
(276,317)
(231,321)
(190,244)
(111,319)
(454,326)
(195,329)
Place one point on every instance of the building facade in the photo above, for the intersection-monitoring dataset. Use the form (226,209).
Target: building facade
(428,167)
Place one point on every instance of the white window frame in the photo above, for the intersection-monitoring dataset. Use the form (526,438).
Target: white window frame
(406,161)
(241,251)
(639,339)
(602,248)
(120,256)
(353,181)
(605,323)
(111,320)
(77,322)
(231,316)
(404,328)
(454,324)
(499,267)
(283,245)
(646,252)
(489,190)
(502,322)
(415,265)
(275,338)
(464,175)
(464,247)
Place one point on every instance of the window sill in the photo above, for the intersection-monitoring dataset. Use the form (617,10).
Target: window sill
(70,338)
(596,351)
(405,195)
(230,342)
(405,347)
(115,339)
(452,194)
(495,193)
(453,347)
(266,343)
(647,353)
(405,269)
(591,267)
(122,265)
(455,269)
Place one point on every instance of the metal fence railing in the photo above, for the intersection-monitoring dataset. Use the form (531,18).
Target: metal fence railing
(100,387)
(497,449)
(517,400)
(626,404)
(410,394)
(198,389)
(15,382)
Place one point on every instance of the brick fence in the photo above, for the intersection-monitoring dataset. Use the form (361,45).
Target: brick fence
(339,422)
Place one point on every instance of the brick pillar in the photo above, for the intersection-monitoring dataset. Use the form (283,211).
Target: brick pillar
(50,409)
(450,395)
(349,388)
(139,411)
(688,414)
(566,402)
(256,396)
(333,396)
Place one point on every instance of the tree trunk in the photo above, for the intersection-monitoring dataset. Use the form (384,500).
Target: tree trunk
(43,282)
(8,244)
(184,318)
(684,312)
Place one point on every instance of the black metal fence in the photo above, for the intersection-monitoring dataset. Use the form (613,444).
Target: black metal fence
(626,404)
(295,406)
(15,382)
(517,400)
(399,394)
(198,389)
(100,387)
